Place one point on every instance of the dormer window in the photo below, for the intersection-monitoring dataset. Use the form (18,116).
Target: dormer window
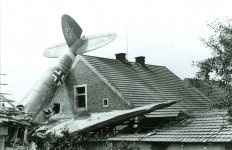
(105,102)
(80,97)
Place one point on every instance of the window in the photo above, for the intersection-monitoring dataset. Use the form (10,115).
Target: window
(80,97)
(105,102)
(56,108)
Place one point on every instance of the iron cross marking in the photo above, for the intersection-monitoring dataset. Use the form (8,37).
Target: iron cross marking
(58,77)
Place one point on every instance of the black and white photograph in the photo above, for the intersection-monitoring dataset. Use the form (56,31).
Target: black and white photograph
(115,75)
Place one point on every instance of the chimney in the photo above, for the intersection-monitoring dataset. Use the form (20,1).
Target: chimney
(140,60)
(121,57)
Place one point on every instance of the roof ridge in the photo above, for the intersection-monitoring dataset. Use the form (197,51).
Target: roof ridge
(155,65)
(129,62)
(97,57)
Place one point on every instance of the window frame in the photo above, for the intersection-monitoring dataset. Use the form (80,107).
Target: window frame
(60,106)
(76,94)
(103,102)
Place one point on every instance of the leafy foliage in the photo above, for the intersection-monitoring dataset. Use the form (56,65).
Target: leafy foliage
(221,45)
(67,141)
(220,64)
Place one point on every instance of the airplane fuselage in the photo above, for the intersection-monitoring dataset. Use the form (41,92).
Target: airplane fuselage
(43,91)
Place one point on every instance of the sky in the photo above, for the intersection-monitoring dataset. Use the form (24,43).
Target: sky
(166,32)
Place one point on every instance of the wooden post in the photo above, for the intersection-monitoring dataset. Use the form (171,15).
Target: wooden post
(15,136)
(2,142)
(3,134)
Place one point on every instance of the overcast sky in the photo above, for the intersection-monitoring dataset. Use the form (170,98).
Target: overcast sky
(166,32)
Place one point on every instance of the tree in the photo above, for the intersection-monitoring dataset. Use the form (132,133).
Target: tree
(220,64)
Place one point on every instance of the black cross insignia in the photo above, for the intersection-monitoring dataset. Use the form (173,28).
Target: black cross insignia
(58,77)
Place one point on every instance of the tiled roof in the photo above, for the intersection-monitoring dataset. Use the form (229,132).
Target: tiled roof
(142,86)
(207,127)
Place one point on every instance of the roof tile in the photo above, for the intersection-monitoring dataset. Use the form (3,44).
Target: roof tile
(205,127)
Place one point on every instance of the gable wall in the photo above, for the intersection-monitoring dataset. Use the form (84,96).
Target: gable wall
(96,90)
(62,97)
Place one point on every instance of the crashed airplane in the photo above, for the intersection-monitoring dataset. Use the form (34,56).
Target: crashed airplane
(42,93)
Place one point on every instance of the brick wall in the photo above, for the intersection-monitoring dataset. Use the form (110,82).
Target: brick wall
(63,98)
(97,90)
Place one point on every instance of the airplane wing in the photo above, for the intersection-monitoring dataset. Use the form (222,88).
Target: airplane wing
(89,43)
(95,42)
(55,51)
(99,120)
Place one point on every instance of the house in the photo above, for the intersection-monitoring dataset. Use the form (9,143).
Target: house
(97,84)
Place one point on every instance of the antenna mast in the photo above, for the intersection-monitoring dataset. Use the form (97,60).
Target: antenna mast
(127,52)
